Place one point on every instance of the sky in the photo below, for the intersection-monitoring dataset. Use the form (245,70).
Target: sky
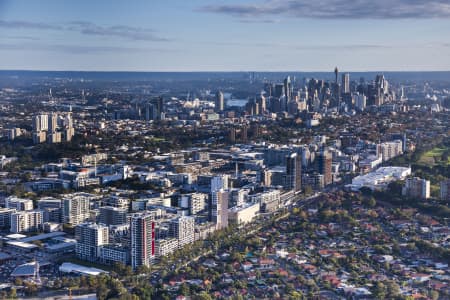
(233,35)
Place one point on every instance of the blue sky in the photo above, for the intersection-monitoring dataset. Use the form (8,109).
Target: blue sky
(233,35)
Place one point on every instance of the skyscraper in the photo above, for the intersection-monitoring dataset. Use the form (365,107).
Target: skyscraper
(219,208)
(324,161)
(294,172)
(142,239)
(219,102)
(288,88)
(345,83)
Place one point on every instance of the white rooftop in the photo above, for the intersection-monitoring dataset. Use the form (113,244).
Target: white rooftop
(74,268)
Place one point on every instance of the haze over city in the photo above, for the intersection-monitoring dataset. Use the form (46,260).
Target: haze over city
(253,35)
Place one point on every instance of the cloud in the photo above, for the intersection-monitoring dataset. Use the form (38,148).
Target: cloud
(88,28)
(127,32)
(336,9)
(324,47)
(29,25)
(77,49)
(22,37)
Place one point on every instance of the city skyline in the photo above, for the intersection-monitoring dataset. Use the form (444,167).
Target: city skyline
(224,36)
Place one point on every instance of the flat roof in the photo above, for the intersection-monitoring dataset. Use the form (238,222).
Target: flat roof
(15,236)
(42,236)
(60,246)
(74,268)
(4,256)
(22,245)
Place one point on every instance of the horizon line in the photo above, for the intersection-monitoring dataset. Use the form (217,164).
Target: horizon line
(221,71)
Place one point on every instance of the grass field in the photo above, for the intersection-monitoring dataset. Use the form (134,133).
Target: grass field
(434,157)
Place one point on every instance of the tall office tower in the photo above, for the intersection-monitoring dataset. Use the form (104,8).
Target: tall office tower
(154,110)
(336,74)
(261,101)
(112,215)
(75,209)
(219,208)
(142,239)
(279,90)
(275,104)
(294,172)
(268,88)
(232,135)
(244,134)
(324,161)
(360,102)
(283,103)
(219,102)
(26,221)
(90,238)
(445,190)
(345,83)
(382,84)
(52,122)
(182,228)
(288,88)
(219,182)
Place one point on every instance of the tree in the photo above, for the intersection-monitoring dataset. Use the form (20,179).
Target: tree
(185,290)
(202,296)
(380,291)
(434,295)
(13,293)
(143,269)
(393,289)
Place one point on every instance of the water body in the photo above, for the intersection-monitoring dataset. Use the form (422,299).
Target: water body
(236,102)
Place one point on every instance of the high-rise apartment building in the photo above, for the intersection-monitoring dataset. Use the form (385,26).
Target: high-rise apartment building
(5,217)
(26,221)
(18,203)
(219,102)
(112,215)
(142,239)
(324,164)
(75,209)
(445,190)
(294,172)
(219,182)
(416,188)
(219,208)
(182,228)
(90,238)
(389,150)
